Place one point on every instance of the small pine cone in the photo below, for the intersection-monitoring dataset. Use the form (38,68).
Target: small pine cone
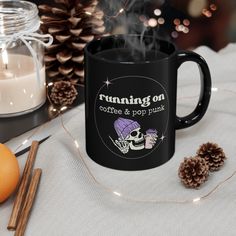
(193,171)
(63,93)
(213,154)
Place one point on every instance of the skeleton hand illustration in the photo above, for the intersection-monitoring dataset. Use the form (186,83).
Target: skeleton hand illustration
(121,144)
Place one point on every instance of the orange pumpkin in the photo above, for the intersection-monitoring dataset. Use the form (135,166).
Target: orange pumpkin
(9,172)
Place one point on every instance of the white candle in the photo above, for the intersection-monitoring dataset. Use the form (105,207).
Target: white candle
(19,88)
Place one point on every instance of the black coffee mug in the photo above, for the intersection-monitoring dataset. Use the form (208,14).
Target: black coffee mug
(131,101)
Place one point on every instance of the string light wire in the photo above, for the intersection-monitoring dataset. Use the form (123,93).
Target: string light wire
(140,200)
(111,190)
(118,194)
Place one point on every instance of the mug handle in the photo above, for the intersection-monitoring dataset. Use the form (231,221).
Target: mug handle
(205,94)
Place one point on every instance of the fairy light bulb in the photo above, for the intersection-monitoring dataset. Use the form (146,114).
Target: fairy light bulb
(177,21)
(214,89)
(152,22)
(117,193)
(186,30)
(5,57)
(186,22)
(63,108)
(76,143)
(157,12)
(25,141)
(174,34)
(180,27)
(196,199)
(145,23)
(161,21)
(206,13)
(213,7)
(121,10)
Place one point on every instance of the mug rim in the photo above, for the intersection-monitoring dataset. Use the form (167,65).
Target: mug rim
(90,54)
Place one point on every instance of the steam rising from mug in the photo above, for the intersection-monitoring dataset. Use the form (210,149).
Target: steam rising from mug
(129,23)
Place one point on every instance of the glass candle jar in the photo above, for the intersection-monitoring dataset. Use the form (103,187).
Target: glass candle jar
(22,69)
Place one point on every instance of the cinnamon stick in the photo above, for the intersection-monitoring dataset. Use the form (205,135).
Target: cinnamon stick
(20,197)
(29,201)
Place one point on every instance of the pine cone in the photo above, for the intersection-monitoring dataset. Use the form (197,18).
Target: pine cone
(72,23)
(63,93)
(213,154)
(193,171)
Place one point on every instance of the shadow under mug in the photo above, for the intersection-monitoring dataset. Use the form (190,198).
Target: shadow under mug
(130,102)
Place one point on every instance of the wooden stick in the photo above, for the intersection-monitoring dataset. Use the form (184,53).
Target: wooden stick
(20,197)
(29,201)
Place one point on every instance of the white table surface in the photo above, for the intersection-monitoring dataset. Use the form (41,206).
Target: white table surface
(68,203)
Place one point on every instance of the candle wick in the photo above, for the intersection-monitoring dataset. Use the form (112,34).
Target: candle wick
(6,66)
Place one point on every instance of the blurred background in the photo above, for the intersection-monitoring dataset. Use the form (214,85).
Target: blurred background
(189,23)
